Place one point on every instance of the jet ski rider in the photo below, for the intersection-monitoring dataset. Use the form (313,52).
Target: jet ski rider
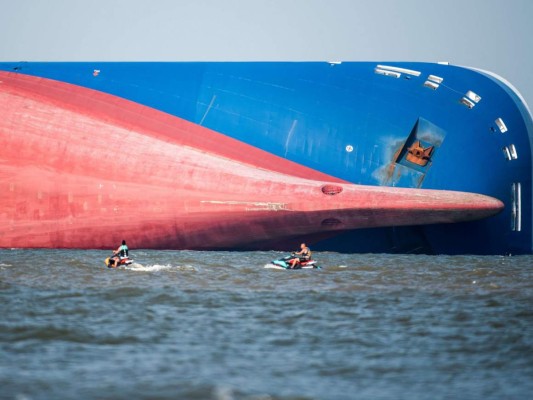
(120,254)
(303,255)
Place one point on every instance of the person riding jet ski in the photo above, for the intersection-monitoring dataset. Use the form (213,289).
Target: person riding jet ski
(119,254)
(303,255)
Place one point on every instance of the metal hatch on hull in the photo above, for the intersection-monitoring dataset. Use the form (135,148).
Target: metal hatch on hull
(413,157)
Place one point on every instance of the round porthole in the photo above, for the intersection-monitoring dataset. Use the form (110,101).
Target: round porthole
(349,148)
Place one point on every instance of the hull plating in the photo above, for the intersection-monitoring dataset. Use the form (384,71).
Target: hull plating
(86,168)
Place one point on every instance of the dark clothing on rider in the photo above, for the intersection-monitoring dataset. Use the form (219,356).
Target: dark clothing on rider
(305,254)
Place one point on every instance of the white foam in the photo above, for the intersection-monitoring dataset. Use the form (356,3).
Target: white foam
(158,267)
(272,266)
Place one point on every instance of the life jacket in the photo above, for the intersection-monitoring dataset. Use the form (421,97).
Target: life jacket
(123,252)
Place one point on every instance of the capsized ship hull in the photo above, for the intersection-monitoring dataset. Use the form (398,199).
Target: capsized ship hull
(85,168)
(78,178)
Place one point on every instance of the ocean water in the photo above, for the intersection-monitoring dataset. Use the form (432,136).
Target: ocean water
(219,325)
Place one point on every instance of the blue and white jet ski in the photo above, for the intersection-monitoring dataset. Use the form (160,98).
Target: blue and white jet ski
(283,263)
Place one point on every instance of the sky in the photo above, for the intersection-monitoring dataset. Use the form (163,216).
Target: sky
(494,35)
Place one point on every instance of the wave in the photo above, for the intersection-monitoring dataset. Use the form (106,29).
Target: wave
(272,266)
(159,267)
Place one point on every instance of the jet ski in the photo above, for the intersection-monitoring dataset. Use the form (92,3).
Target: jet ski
(283,263)
(124,261)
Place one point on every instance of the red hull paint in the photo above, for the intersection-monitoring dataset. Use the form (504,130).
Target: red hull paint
(83,169)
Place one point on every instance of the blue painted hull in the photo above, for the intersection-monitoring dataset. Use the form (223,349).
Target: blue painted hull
(355,121)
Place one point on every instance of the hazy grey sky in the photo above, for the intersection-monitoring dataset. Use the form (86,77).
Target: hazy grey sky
(495,35)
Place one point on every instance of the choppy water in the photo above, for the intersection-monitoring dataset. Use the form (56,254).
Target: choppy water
(218,325)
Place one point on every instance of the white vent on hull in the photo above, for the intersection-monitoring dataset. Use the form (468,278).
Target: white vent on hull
(507,153)
(431,85)
(398,69)
(467,102)
(433,82)
(470,99)
(512,149)
(473,96)
(510,152)
(387,73)
(501,125)
(435,78)
(516,207)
